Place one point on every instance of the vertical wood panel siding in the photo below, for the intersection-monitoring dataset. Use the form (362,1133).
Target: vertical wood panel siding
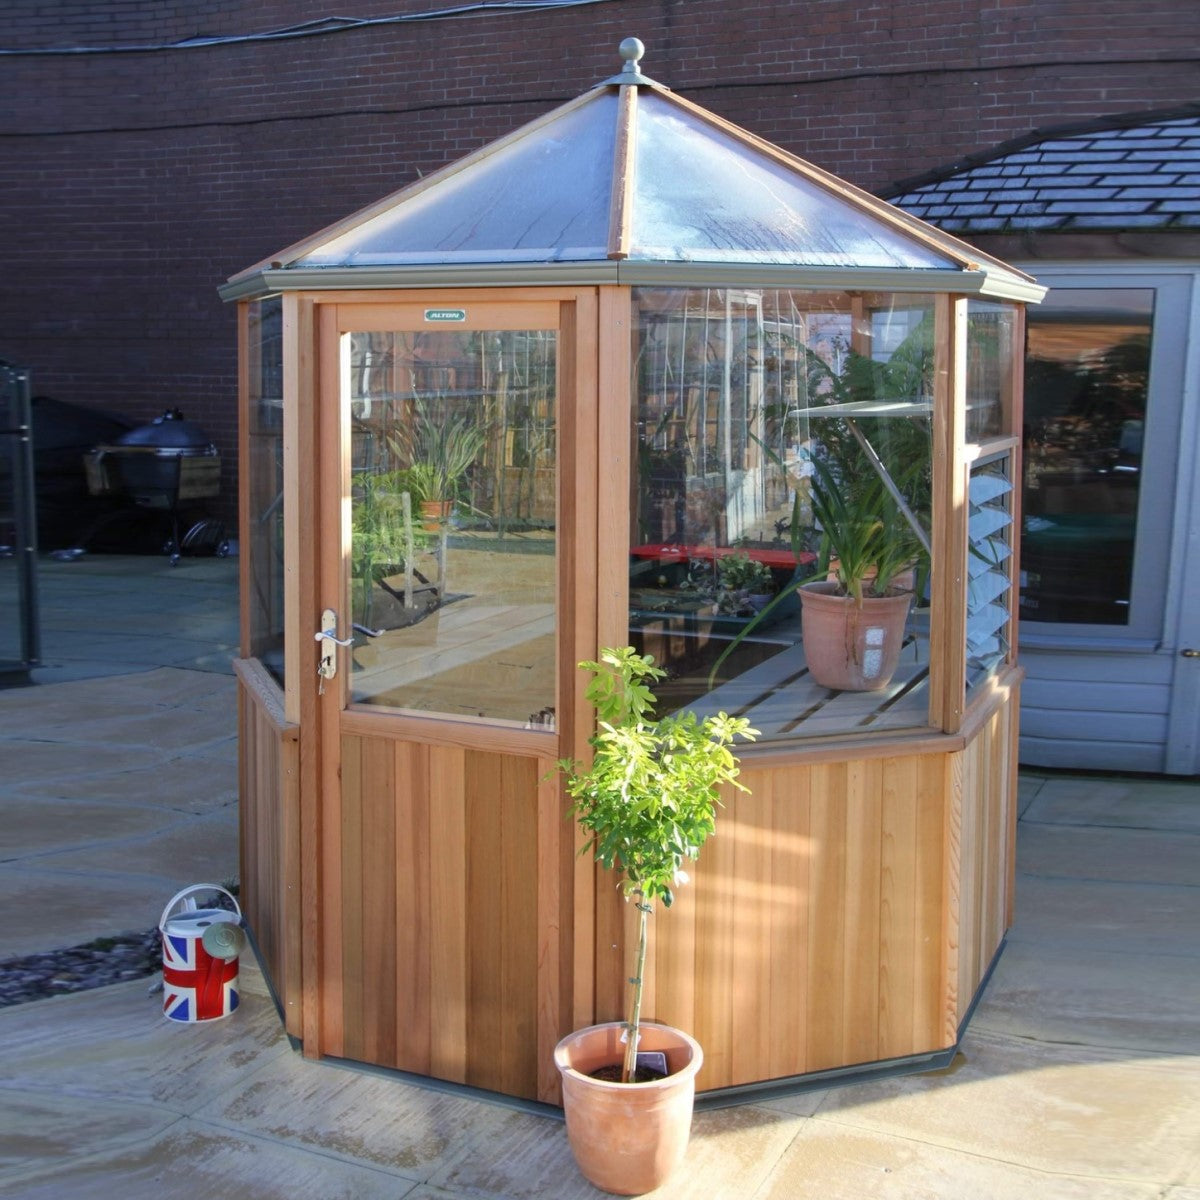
(270,844)
(443,958)
(822,926)
(845,913)
(988,804)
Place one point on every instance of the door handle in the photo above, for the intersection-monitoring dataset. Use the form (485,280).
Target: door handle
(329,640)
(1189,653)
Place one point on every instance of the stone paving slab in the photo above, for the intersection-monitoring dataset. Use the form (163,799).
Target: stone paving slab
(1122,803)
(40,1129)
(114,1044)
(729,1157)
(134,651)
(107,616)
(184,700)
(1075,996)
(195,783)
(192,848)
(35,826)
(1087,1113)
(1114,855)
(190,1160)
(161,732)
(55,910)
(1117,918)
(359,1117)
(837,1163)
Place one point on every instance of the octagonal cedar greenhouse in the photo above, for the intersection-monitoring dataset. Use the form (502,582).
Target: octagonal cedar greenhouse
(596,384)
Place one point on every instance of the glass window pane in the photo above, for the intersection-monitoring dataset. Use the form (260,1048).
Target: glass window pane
(774,427)
(1086,380)
(990,364)
(452,563)
(264,554)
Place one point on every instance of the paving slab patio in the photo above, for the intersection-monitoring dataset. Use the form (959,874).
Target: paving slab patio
(1079,1078)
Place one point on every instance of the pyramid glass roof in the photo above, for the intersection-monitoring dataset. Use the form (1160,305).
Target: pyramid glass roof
(539,198)
(625,181)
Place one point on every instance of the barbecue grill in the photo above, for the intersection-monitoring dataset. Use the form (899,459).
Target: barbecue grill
(167,464)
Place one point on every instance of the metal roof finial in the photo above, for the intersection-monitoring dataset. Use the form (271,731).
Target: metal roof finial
(631,50)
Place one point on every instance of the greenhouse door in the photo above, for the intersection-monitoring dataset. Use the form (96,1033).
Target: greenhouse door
(441,630)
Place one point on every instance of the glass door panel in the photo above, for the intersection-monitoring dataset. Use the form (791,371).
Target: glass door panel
(451,569)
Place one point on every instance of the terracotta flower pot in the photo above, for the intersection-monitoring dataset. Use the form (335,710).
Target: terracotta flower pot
(435,513)
(627,1138)
(848,647)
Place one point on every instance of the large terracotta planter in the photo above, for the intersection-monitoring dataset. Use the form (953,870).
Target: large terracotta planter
(627,1138)
(848,647)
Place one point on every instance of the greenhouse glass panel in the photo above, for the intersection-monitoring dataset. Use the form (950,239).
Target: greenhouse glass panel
(264,565)
(702,194)
(768,422)
(542,198)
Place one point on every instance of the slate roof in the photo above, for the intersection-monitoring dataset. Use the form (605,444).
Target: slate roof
(1125,176)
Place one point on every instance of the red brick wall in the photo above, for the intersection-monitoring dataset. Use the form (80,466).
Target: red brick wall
(132,183)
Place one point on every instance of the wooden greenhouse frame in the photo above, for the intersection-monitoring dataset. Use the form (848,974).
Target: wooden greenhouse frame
(415,892)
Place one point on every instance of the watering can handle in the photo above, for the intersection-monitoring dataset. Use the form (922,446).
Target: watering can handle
(197,887)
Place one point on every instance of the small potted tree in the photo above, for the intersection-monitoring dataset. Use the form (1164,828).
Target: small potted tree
(648,802)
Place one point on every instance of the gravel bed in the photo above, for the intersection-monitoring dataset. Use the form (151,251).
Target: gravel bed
(78,968)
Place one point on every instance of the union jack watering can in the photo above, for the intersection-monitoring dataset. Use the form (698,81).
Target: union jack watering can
(200,956)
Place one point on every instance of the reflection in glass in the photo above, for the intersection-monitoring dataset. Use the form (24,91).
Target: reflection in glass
(452,563)
(745,402)
(1087,373)
(990,364)
(264,554)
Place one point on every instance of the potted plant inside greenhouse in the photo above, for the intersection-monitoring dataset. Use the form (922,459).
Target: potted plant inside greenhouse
(440,450)
(745,584)
(853,618)
(648,802)
(862,504)
(382,542)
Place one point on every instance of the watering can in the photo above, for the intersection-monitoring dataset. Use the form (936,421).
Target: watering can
(200,948)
